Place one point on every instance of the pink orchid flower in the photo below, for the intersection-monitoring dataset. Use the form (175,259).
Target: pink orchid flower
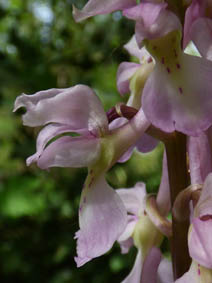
(102,215)
(171,98)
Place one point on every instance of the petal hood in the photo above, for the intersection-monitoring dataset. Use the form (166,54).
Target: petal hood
(77,106)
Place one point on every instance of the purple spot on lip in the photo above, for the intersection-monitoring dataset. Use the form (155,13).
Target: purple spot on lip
(198,271)
(180,90)
(178,65)
(149,60)
(175,53)
(163,60)
(168,70)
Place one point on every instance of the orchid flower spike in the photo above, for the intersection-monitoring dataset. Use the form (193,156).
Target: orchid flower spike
(102,215)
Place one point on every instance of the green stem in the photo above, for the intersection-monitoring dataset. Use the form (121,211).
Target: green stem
(178,179)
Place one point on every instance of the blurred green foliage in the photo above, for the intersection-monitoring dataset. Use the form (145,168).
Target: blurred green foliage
(42,47)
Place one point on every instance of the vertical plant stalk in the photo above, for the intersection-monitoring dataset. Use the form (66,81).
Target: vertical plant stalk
(179,179)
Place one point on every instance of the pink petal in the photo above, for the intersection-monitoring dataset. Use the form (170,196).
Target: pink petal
(146,143)
(165,273)
(199,242)
(135,274)
(126,156)
(96,7)
(125,136)
(177,101)
(30,100)
(134,50)
(201,35)
(194,11)
(124,74)
(145,270)
(126,245)
(45,135)
(147,12)
(70,152)
(150,266)
(200,162)
(134,199)
(102,219)
(125,240)
(76,106)
(163,196)
(152,20)
(117,123)
(204,205)
(127,233)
